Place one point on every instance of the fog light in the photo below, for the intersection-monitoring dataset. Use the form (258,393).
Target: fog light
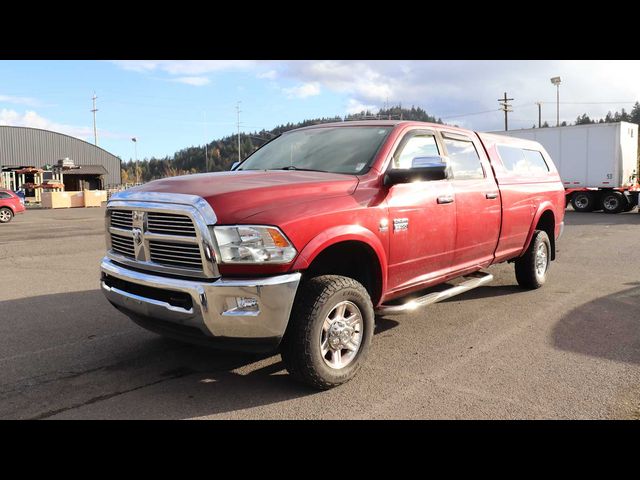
(242,306)
(247,303)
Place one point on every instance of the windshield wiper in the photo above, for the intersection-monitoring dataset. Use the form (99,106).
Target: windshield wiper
(292,167)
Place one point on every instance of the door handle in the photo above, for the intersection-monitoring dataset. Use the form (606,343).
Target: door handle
(491,195)
(445,199)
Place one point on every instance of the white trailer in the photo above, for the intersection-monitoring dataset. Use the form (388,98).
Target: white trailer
(597,162)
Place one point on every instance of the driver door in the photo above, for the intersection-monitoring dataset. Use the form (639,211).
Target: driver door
(422,218)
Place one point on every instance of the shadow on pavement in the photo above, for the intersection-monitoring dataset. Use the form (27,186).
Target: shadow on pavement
(109,356)
(607,327)
(601,218)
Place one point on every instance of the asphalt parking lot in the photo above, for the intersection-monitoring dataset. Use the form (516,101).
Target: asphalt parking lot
(568,350)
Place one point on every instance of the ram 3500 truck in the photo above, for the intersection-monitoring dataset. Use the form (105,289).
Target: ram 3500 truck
(310,236)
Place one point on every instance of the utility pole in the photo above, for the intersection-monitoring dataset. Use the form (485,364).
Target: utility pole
(539,114)
(95,130)
(238,111)
(204,129)
(505,107)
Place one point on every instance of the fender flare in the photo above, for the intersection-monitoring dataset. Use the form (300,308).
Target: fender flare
(543,207)
(338,234)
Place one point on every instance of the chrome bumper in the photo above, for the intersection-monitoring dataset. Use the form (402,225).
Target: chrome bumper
(212,311)
(561,230)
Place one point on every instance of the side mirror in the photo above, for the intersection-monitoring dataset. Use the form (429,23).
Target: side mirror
(233,167)
(422,169)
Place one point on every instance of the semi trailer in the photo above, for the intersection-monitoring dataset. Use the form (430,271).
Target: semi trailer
(598,163)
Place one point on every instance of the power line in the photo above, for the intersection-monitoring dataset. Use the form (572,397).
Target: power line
(469,114)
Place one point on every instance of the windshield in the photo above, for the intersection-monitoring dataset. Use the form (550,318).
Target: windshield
(329,149)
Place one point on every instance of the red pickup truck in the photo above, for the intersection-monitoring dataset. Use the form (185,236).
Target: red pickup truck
(310,236)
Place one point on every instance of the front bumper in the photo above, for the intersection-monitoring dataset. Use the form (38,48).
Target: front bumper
(209,316)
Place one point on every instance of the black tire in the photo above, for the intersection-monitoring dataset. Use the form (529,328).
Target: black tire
(613,202)
(6,214)
(630,206)
(301,346)
(583,201)
(527,273)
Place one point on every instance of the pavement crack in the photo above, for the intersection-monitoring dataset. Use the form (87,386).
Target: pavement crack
(100,398)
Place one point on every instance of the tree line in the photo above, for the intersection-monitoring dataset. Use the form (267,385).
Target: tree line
(219,155)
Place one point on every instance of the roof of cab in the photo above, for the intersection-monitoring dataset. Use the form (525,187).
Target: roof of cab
(380,123)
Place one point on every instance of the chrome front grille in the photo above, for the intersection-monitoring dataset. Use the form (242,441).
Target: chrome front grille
(121,219)
(170,224)
(175,254)
(160,240)
(123,245)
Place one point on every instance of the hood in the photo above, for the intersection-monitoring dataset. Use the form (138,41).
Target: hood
(235,196)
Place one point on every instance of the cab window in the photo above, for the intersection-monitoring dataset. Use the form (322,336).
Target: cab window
(419,145)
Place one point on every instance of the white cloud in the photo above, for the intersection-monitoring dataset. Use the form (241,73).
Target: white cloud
(29,101)
(354,106)
(444,88)
(185,67)
(304,90)
(195,81)
(34,120)
(270,75)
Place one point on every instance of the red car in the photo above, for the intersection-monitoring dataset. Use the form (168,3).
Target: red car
(308,238)
(10,204)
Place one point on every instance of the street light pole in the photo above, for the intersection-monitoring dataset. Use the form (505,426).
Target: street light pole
(539,114)
(557,81)
(135,146)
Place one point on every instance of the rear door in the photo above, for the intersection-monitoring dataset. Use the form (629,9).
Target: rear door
(422,218)
(477,200)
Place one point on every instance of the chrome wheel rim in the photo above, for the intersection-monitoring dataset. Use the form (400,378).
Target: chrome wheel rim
(610,203)
(582,201)
(341,335)
(541,259)
(4,216)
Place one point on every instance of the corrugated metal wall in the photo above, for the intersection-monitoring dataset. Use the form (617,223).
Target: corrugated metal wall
(32,146)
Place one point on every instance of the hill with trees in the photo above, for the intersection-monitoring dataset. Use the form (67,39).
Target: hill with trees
(220,154)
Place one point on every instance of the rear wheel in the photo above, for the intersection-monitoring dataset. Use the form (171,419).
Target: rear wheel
(532,267)
(329,333)
(5,215)
(583,202)
(614,202)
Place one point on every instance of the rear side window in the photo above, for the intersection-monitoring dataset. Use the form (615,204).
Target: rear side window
(5,195)
(522,161)
(463,159)
(536,162)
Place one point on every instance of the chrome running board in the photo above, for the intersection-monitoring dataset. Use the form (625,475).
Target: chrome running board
(475,280)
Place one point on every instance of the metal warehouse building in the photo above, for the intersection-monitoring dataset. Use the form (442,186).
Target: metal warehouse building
(21,146)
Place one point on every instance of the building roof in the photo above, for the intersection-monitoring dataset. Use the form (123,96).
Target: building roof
(87,170)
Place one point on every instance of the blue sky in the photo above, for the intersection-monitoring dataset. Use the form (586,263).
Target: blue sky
(170,104)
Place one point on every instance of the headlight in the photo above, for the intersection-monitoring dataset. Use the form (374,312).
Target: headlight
(253,244)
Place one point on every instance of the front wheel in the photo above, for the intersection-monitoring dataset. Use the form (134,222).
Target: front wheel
(330,331)
(532,267)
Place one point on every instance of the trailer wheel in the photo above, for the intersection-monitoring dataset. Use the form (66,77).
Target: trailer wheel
(613,202)
(583,202)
